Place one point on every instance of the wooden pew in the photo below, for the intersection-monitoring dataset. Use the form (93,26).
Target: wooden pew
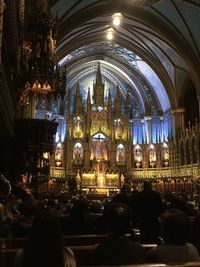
(82,254)
(69,240)
(83,240)
(7,257)
(76,240)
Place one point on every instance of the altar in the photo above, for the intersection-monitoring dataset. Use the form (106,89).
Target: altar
(106,191)
(104,184)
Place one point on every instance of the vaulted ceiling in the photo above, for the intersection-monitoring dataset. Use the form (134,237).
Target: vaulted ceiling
(157,45)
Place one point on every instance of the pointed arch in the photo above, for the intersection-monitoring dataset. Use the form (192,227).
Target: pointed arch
(120,155)
(78,151)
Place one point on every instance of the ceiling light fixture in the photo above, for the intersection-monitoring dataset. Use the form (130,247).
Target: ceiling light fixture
(117,17)
(110,34)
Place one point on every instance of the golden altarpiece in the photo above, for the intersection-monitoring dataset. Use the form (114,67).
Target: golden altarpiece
(98,139)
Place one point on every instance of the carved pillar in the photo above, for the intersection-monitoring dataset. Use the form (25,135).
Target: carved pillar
(69,157)
(87,150)
(128,155)
(178,121)
(113,152)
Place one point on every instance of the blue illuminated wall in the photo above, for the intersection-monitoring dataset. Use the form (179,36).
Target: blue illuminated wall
(152,129)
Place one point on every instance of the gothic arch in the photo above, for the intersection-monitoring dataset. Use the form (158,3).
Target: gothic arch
(78,151)
(121,152)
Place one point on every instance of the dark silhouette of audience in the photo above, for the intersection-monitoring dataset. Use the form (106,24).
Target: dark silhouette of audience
(147,209)
(124,195)
(78,222)
(174,201)
(45,246)
(5,228)
(79,216)
(174,230)
(118,248)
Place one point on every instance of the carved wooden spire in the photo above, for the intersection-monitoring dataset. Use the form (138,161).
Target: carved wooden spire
(77,100)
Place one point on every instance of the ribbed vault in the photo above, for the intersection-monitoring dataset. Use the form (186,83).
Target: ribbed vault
(119,66)
(162,33)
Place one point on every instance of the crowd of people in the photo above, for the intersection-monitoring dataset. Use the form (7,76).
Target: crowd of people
(161,219)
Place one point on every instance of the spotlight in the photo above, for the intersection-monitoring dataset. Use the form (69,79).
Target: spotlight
(116,19)
(110,34)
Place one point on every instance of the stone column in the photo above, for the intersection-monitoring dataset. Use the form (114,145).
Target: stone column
(178,122)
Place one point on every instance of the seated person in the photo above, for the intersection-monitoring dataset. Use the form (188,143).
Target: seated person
(118,248)
(174,230)
(78,222)
(45,246)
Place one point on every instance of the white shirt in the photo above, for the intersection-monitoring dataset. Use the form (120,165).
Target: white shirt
(174,254)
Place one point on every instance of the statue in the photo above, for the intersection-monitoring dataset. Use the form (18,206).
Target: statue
(138,155)
(152,156)
(77,153)
(120,154)
(51,46)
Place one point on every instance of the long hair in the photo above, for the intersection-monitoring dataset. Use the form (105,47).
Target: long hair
(45,245)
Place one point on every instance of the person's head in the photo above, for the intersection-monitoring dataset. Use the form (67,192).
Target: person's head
(45,246)
(80,208)
(147,185)
(174,227)
(118,218)
(96,207)
(126,188)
